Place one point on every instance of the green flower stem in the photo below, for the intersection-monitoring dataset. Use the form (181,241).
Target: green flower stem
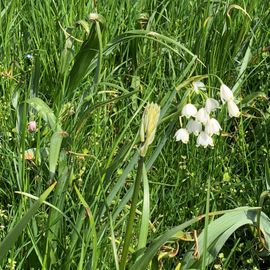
(205,237)
(132,213)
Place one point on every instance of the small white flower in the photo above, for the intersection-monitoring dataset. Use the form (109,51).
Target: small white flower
(182,135)
(189,110)
(202,116)
(194,126)
(204,140)
(212,127)
(226,93)
(211,104)
(198,85)
(233,109)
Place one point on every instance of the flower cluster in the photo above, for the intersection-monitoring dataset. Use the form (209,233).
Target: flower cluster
(200,123)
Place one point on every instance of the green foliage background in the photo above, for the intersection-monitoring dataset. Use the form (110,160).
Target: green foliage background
(95,79)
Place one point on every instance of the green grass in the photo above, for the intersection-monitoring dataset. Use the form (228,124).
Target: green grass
(86,85)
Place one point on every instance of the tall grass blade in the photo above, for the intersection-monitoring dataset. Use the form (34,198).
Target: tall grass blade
(14,234)
(86,54)
(55,145)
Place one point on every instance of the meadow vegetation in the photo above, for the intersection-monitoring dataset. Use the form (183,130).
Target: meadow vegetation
(93,172)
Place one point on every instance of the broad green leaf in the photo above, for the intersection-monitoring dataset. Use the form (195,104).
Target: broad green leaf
(220,230)
(14,234)
(86,54)
(145,212)
(153,248)
(55,145)
(45,111)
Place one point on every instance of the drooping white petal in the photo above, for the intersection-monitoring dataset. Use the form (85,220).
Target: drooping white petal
(198,85)
(194,126)
(182,135)
(204,140)
(202,116)
(211,105)
(226,93)
(212,127)
(233,109)
(189,110)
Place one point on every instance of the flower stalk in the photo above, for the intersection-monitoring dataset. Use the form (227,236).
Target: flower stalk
(132,212)
(147,134)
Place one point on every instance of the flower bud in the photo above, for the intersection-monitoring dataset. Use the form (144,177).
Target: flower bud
(148,126)
(32,126)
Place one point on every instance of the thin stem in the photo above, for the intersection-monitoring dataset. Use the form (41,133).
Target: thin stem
(205,237)
(132,213)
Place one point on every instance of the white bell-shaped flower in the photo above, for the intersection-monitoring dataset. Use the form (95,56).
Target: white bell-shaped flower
(233,109)
(202,116)
(189,110)
(198,85)
(226,93)
(204,140)
(194,126)
(211,105)
(212,127)
(182,135)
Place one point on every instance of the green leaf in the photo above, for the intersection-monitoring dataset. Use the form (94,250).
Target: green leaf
(220,230)
(245,62)
(55,145)
(153,248)
(14,234)
(45,111)
(145,212)
(93,231)
(86,54)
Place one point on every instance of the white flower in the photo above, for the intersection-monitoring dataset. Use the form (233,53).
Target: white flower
(204,140)
(233,109)
(202,116)
(189,110)
(212,127)
(182,135)
(211,104)
(194,126)
(226,93)
(198,85)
